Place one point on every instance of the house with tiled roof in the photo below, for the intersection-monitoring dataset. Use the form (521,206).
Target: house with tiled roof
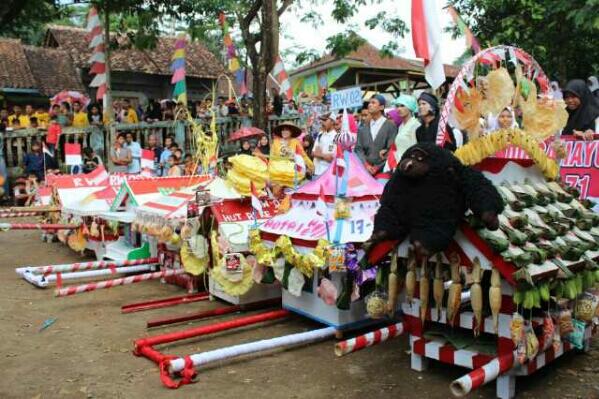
(139,74)
(364,67)
(30,74)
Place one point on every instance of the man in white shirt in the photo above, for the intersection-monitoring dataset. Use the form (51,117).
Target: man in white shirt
(135,148)
(324,145)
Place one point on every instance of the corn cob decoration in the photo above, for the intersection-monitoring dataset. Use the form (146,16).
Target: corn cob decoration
(495,298)
(393,286)
(438,287)
(411,277)
(454,298)
(424,289)
(476,296)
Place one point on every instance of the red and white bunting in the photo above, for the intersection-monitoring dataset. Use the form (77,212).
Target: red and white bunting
(282,78)
(98,58)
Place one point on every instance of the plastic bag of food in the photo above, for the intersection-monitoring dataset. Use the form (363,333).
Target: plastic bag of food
(517,328)
(576,337)
(565,322)
(586,306)
(532,343)
(548,331)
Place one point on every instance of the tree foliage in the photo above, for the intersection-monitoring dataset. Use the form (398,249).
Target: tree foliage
(25,19)
(560,34)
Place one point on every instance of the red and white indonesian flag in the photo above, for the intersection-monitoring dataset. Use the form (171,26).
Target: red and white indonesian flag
(339,161)
(98,176)
(147,159)
(391,163)
(256,204)
(300,164)
(426,37)
(282,78)
(72,154)
(321,204)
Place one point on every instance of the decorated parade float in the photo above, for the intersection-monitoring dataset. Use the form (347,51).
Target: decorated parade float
(530,285)
(312,247)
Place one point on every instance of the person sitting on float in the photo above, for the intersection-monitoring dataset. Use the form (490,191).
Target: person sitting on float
(505,120)
(583,110)
(285,144)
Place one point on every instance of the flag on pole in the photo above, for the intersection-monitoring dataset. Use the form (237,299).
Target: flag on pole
(72,154)
(98,58)
(256,204)
(282,78)
(464,29)
(178,69)
(147,159)
(339,161)
(300,164)
(426,37)
(47,151)
(321,205)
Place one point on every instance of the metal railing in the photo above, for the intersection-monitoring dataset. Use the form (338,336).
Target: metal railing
(18,142)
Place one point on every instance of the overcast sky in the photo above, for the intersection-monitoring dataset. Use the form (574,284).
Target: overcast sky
(302,34)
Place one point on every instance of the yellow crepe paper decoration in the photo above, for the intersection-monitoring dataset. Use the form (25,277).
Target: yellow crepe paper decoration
(234,288)
(191,263)
(469,119)
(251,167)
(480,148)
(305,263)
(500,93)
(282,172)
(544,118)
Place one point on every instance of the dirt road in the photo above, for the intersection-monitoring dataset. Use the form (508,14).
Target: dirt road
(87,352)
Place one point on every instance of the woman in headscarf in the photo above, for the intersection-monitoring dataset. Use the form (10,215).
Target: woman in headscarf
(262,150)
(505,120)
(429,114)
(246,147)
(594,86)
(407,108)
(582,108)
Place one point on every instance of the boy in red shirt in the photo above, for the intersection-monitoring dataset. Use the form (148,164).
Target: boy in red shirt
(53,135)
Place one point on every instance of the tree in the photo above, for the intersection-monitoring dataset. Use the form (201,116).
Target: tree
(560,34)
(258,21)
(25,19)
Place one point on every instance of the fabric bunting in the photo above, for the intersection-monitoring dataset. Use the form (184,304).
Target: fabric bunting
(98,58)
(178,68)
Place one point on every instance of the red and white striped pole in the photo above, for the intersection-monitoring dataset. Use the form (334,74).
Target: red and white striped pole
(78,289)
(36,226)
(368,339)
(480,376)
(73,267)
(17,214)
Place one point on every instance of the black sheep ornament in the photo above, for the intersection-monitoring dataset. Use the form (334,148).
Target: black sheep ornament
(427,197)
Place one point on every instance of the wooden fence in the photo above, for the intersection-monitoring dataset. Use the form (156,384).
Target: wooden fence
(17,143)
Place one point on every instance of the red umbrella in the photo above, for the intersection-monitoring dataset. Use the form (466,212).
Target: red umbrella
(246,132)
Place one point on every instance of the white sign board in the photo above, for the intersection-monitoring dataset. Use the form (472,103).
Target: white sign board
(348,98)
